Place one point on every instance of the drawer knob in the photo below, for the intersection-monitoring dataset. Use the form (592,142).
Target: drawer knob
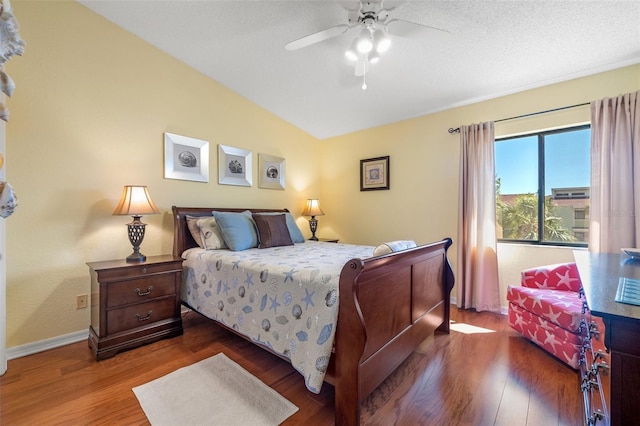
(144,270)
(141,318)
(144,293)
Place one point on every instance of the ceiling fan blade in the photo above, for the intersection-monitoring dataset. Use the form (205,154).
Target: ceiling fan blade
(390,5)
(403,28)
(317,37)
(351,5)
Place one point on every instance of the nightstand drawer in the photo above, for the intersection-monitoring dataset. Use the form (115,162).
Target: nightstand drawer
(134,271)
(139,315)
(140,290)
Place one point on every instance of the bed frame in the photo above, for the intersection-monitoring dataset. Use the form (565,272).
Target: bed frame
(377,328)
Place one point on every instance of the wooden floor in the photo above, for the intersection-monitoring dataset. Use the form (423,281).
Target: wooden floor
(483,374)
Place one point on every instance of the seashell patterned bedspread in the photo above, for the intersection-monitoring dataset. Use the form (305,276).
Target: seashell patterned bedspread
(285,298)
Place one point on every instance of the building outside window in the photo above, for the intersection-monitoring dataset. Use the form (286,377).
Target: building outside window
(543,187)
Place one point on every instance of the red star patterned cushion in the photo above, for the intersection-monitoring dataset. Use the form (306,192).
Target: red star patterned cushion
(563,276)
(562,308)
(557,341)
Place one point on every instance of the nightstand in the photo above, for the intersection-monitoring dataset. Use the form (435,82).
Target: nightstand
(134,303)
(329,240)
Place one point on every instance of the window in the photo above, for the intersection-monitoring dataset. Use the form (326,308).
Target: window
(542,187)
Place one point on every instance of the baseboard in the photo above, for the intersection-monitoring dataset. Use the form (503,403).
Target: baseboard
(503,309)
(46,344)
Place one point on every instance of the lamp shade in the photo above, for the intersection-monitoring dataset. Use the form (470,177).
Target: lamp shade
(135,201)
(312,208)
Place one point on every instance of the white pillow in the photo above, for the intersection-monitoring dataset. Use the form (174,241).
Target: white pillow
(393,246)
(210,234)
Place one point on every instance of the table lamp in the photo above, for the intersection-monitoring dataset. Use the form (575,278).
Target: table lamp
(135,201)
(313,209)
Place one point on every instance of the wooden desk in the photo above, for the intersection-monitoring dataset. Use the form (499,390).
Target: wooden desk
(600,274)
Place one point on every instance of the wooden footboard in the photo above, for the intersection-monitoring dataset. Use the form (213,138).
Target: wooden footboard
(388,306)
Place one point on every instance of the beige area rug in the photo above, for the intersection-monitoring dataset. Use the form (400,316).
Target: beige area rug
(215,391)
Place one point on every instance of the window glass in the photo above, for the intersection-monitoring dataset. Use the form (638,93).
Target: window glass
(567,180)
(542,187)
(517,188)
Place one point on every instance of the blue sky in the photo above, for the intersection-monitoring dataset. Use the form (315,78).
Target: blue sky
(566,165)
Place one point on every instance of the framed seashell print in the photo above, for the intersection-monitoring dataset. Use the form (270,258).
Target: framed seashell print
(235,166)
(271,170)
(186,158)
(374,174)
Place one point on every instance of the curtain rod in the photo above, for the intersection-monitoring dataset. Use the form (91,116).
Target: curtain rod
(457,130)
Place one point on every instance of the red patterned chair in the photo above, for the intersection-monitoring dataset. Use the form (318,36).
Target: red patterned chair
(549,309)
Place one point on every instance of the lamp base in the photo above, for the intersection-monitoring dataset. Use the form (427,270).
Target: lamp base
(136,257)
(136,235)
(313,225)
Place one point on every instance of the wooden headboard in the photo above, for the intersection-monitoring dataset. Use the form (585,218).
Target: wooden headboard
(182,238)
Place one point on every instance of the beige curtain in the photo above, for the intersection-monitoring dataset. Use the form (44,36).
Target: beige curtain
(615,173)
(477,281)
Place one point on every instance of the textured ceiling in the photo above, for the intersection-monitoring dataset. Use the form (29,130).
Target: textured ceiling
(494,48)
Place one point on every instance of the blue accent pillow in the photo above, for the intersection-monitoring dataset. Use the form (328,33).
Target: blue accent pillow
(294,231)
(238,229)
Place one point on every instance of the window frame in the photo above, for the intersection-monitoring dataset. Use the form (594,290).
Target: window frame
(541,185)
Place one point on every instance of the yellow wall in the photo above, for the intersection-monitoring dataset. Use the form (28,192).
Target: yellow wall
(88,116)
(423,201)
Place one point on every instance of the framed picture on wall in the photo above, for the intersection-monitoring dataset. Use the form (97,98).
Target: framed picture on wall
(234,166)
(186,158)
(374,174)
(272,172)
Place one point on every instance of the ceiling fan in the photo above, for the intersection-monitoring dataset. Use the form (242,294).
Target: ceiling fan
(373,17)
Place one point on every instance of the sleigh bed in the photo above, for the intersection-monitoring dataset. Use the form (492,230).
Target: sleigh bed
(385,305)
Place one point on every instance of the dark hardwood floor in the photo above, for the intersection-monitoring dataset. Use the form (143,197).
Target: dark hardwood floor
(483,373)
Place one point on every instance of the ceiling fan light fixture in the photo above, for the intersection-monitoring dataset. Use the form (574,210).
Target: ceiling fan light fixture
(351,55)
(374,57)
(362,67)
(364,43)
(381,41)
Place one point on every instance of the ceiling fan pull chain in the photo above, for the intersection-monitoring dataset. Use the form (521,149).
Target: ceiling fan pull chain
(364,82)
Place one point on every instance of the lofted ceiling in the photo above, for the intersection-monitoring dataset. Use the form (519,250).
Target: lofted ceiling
(492,48)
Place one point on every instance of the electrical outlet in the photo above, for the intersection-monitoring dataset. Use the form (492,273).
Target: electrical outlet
(82,301)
